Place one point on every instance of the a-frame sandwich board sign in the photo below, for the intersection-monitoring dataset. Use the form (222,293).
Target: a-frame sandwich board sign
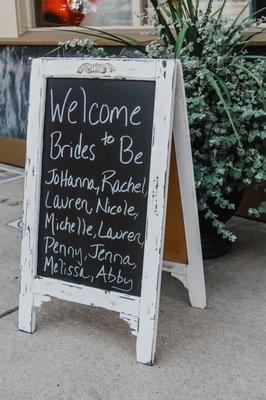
(98,149)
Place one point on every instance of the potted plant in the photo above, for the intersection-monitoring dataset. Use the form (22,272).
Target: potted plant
(226,105)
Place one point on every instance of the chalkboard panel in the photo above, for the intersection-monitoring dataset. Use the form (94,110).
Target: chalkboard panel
(95,177)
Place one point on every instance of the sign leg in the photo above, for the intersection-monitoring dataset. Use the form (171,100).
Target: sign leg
(195,274)
(196,284)
(146,340)
(148,321)
(27,313)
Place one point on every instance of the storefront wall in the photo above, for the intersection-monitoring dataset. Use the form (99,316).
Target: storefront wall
(22,45)
(15,66)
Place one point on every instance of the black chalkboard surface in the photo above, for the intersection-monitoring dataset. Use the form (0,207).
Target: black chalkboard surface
(95,176)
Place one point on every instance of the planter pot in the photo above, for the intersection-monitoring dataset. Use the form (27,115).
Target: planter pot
(214,245)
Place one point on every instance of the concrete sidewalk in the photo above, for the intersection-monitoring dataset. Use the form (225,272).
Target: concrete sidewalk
(80,353)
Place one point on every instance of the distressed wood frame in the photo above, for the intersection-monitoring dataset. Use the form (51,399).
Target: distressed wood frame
(141,313)
(190,274)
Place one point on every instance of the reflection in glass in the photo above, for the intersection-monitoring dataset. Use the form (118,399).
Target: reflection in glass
(83,12)
(110,12)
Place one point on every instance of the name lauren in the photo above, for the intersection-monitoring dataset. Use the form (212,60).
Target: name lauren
(112,234)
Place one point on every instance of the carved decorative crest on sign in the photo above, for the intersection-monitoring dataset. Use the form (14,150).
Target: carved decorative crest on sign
(95,68)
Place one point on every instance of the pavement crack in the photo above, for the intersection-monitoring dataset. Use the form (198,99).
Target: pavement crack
(8,312)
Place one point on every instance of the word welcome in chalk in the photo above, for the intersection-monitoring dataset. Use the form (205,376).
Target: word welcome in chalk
(94,114)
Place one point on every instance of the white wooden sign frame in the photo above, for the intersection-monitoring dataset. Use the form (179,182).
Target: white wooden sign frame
(192,273)
(141,313)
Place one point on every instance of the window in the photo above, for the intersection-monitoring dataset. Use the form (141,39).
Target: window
(259,8)
(21,17)
(109,12)
(88,12)
(233,8)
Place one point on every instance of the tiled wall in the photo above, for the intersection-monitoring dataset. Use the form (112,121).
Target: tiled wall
(15,66)
(15,63)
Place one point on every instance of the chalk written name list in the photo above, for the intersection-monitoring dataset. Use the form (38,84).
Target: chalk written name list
(95,179)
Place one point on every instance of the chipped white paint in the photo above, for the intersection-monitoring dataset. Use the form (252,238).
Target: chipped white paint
(132,321)
(140,313)
(86,295)
(39,300)
(18,224)
(177,270)
(191,275)
(156,213)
